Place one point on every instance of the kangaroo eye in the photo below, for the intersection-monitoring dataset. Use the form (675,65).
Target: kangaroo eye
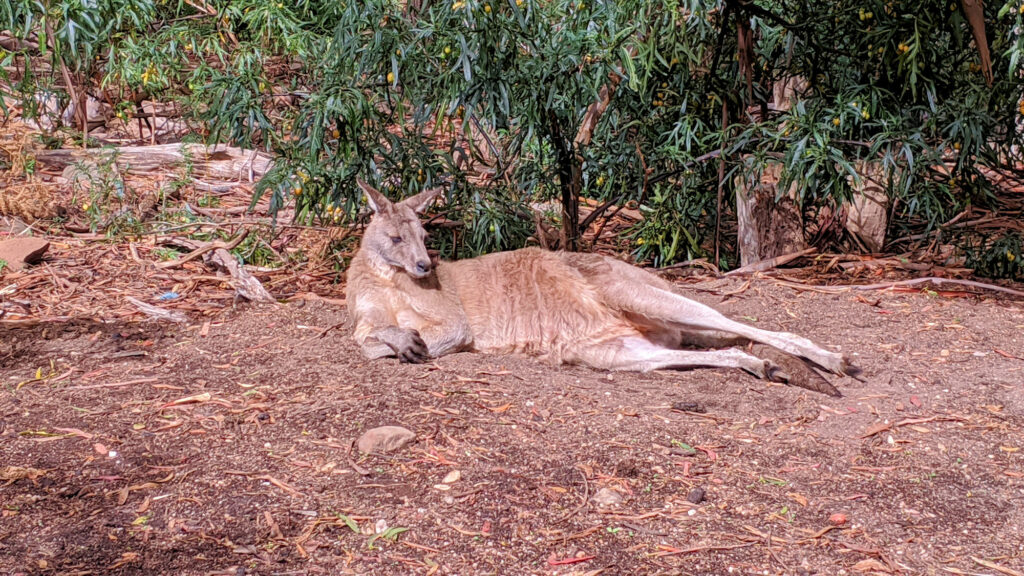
(396,239)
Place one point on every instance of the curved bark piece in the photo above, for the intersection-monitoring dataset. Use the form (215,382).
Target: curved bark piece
(975,12)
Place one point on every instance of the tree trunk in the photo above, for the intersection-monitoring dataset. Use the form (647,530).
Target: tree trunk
(767,227)
(570,179)
(867,216)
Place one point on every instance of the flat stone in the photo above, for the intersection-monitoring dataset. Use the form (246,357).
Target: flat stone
(606,498)
(385,439)
(18,252)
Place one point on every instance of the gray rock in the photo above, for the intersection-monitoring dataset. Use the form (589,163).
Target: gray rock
(696,496)
(385,439)
(606,497)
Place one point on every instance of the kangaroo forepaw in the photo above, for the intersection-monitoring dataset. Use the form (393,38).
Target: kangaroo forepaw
(411,349)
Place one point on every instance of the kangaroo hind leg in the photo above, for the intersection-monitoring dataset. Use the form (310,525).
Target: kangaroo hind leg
(640,293)
(636,353)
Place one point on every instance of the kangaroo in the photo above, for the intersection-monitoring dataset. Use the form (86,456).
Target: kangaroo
(565,307)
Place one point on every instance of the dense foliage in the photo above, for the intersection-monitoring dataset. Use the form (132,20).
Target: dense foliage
(406,93)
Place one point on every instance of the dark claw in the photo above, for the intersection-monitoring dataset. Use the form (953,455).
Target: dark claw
(418,341)
(415,353)
(852,371)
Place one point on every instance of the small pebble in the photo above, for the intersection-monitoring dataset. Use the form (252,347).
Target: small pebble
(696,496)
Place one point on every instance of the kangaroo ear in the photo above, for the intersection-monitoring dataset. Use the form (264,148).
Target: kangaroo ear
(420,201)
(374,198)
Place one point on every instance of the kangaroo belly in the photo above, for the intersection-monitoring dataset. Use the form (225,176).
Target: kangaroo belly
(529,301)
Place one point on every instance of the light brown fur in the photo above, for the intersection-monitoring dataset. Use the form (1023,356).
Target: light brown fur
(566,307)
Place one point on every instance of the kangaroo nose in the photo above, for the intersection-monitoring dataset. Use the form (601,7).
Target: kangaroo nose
(423,266)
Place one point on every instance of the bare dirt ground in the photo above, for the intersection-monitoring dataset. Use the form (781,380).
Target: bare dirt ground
(225,447)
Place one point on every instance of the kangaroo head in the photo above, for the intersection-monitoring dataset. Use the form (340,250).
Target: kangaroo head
(395,236)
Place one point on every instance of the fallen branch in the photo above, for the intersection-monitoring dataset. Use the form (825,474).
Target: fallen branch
(694,550)
(997,567)
(156,312)
(695,263)
(218,162)
(912,282)
(763,265)
(209,246)
(245,283)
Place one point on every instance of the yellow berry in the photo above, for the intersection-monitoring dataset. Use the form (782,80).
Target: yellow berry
(639,241)
(835,121)
(864,114)
(336,133)
(600,180)
(447,49)
(398,52)
(487,8)
(956,145)
(1010,256)
(391,77)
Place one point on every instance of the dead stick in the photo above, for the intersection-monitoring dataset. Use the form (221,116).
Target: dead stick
(721,167)
(997,567)
(113,384)
(203,250)
(77,101)
(762,265)
(912,282)
(696,549)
